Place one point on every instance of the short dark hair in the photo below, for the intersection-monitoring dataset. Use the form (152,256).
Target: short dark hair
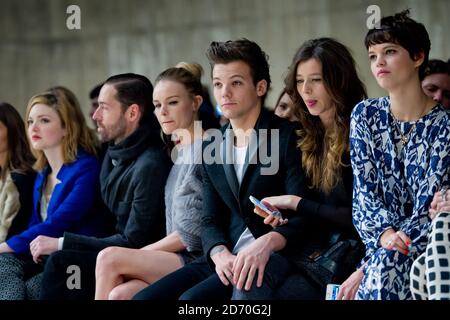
(404,31)
(437,66)
(134,89)
(242,50)
(95,92)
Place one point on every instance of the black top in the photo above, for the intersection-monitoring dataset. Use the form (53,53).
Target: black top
(335,207)
(329,214)
(24,183)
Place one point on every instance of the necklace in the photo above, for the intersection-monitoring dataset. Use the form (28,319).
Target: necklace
(404,137)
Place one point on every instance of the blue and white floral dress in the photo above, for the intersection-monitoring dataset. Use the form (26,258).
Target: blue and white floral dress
(394,184)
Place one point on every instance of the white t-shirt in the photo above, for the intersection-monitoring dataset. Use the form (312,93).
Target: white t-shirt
(246,237)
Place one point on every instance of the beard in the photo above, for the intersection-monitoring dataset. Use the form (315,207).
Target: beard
(113,132)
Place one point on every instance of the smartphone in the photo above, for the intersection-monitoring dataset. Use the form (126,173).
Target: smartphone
(263,207)
(332,291)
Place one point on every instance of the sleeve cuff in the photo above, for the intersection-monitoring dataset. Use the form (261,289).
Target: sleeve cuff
(378,239)
(60,243)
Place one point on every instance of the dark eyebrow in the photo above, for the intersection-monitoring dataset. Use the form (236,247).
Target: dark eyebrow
(233,76)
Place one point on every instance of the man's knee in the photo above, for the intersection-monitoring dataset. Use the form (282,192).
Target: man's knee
(192,294)
(57,257)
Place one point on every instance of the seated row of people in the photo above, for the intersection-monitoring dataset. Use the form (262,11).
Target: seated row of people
(190,231)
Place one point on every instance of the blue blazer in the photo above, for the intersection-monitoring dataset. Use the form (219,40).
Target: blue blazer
(74,204)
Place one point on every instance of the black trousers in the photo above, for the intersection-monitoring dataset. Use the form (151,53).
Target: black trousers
(64,270)
(195,281)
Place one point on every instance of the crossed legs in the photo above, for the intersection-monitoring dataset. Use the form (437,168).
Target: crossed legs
(121,272)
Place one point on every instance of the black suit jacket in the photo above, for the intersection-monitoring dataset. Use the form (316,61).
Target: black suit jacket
(227,208)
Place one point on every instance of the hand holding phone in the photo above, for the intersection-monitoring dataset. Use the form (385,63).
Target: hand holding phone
(263,207)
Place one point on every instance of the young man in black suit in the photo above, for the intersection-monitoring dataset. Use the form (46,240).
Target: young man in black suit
(255,155)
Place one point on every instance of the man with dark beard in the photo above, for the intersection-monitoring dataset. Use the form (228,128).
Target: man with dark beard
(133,175)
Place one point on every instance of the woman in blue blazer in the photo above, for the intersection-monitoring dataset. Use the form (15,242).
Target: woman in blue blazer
(66,190)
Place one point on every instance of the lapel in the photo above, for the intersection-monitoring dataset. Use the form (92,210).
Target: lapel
(257,140)
(227,156)
(39,189)
(56,193)
(251,159)
(41,177)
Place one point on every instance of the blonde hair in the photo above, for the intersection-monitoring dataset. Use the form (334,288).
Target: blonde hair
(187,74)
(194,68)
(78,134)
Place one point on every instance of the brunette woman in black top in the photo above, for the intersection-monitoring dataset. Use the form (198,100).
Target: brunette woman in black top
(324,84)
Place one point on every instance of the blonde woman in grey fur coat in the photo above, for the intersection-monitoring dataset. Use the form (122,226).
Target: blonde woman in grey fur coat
(122,272)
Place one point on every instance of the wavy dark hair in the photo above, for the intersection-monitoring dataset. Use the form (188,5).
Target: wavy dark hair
(404,31)
(19,157)
(323,149)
